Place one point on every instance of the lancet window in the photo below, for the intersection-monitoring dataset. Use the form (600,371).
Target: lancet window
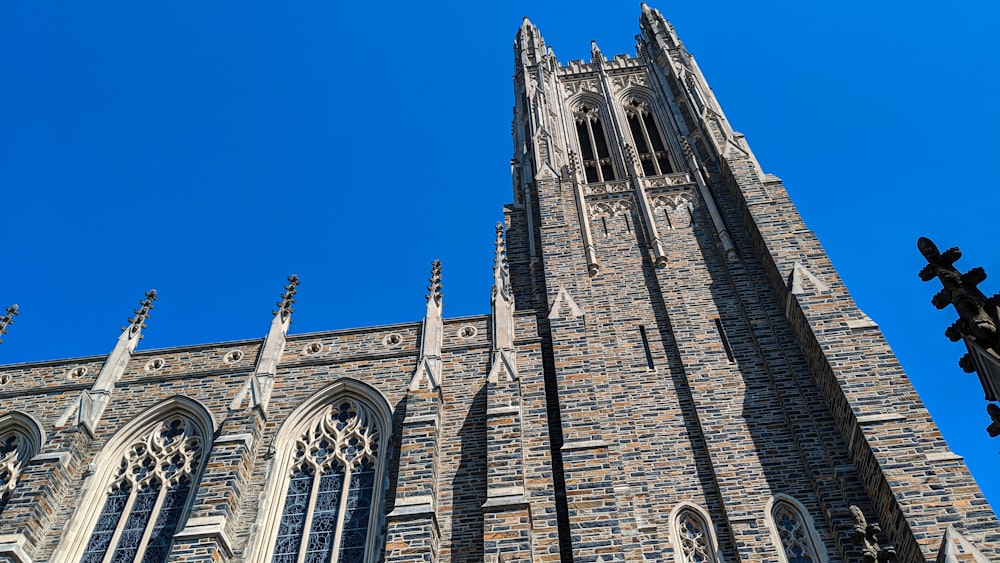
(649,144)
(147,496)
(20,440)
(596,156)
(794,530)
(693,536)
(327,513)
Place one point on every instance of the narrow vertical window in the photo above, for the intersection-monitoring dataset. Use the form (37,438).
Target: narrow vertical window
(792,528)
(724,338)
(693,536)
(146,498)
(594,151)
(645,346)
(328,500)
(649,144)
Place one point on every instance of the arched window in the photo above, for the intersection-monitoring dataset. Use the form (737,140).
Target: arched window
(649,144)
(792,529)
(20,440)
(328,479)
(143,483)
(593,146)
(693,537)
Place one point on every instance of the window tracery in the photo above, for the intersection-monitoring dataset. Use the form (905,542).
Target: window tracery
(20,440)
(146,498)
(596,156)
(10,466)
(650,149)
(693,535)
(331,485)
(794,530)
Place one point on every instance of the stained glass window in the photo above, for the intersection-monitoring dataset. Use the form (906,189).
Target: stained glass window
(328,501)
(694,537)
(147,495)
(796,538)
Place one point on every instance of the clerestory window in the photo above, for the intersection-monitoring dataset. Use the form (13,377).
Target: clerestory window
(328,481)
(147,495)
(329,497)
(649,144)
(597,163)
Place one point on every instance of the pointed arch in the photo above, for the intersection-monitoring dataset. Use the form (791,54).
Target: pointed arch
(327,479)
(590,121)
(793,531)
(693,535)
(141,486)
(21,438)
(645,128)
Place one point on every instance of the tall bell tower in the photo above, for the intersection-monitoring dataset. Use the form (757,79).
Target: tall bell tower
(714,393)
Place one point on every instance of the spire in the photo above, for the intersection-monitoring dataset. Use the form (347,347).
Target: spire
(431,335)
(8,319)
(94,401)
(501,272)
(529,45)
(261,381)
(133,331)
(285,310)
(595,53)
(502,317)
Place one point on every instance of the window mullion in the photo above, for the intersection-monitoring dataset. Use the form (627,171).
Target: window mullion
(339,530)
(307,526)
(109,554)
(151,523)
(649,144)
(593,148)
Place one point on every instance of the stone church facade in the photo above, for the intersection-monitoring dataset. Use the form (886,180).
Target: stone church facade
(672,370)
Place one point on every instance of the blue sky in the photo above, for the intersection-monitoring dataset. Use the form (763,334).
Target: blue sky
(211,149)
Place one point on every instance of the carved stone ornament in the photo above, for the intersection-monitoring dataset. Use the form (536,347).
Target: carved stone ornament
(978,315)
(865,535)
(610,208)
(8,319)
(673,201)
(577,86)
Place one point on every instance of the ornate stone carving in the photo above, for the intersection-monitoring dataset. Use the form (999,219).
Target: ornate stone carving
(8,319)
(622,81)
(577,86)
(432,334)
(866,536)
(10,465)
(611,208)
(673,201)
(141,315)
(608,188)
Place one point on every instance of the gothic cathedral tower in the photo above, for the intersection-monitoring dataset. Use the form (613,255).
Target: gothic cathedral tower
(714,393)
(671,371)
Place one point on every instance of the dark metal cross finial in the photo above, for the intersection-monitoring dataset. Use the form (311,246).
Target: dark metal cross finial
(978,315)
(8,319)
(287,299)
(138,322)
